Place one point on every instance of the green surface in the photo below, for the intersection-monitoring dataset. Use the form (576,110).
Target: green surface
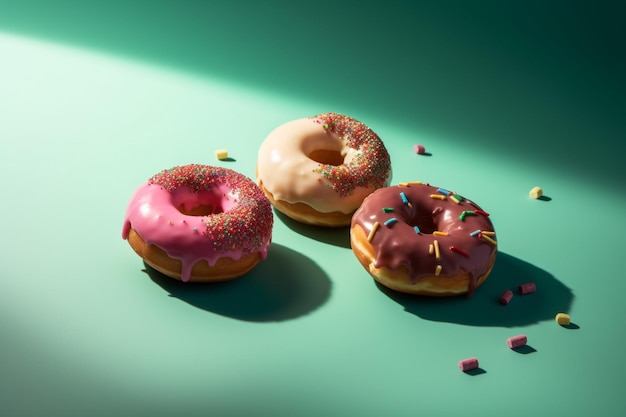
(95,99)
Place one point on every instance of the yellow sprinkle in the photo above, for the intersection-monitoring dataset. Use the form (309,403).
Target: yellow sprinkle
(414,183)
(403,184)
(409,204)
(374,228)
(438,270)
(436,245)
(563,319)
(487,233)
(221,154)
(490,240)
(536,192)
(430,249)
(438,233)
(438,196)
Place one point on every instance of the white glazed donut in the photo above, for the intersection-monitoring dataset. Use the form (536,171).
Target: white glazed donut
(318,170)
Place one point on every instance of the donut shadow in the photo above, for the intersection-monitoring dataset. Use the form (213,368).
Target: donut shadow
(336,236)
(484,308)
(284,286)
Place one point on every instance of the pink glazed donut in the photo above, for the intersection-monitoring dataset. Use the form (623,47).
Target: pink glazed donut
(199,223)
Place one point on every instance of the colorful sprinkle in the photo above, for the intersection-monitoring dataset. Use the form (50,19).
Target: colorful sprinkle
(488,239)
(387,209)
(475,232)
(486,233)
(221,154)
(404,199)
(482,213)
(443,191)
(438,270)
(438,233)
(526,288)
(468,364)
(391,221)
(374,229)
(466,213)
(506,297)
(419,149)
(436,246)
(459,251)
(456,198)
(535,192)
(517,341)
(417,229)
(431,249)
(563,319)
(438,196)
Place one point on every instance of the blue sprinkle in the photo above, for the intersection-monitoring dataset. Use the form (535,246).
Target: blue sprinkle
(442,191)
(475,232)
(417,229)
(403,197)
(391,221)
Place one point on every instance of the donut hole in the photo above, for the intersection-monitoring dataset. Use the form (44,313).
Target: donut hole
(324,148)
(425,223)
(200,210)
(201,203)
(326,156)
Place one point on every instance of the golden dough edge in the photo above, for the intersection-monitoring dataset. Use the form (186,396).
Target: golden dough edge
(225,268)
(306,214)
(431,285)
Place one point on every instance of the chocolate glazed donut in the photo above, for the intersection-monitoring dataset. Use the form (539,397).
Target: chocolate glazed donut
(419,239)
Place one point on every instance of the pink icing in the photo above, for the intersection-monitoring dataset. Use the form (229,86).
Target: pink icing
(240,224)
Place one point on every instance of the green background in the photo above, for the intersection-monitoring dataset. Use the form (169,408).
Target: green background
(95,97)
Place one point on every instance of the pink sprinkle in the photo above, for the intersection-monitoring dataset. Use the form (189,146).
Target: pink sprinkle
(516,341)
(468,364)
(419,149)
(527,288)
(506,297)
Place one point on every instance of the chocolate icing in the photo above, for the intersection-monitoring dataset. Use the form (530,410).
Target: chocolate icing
(397,244)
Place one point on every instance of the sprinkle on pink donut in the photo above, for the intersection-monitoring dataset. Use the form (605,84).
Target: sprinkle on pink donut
(359,172)
(240,224)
